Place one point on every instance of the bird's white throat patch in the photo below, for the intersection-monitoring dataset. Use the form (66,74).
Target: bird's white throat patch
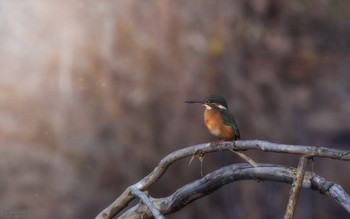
(219,106)
(207,106)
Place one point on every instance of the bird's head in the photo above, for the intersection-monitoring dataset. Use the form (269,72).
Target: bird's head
(210,102)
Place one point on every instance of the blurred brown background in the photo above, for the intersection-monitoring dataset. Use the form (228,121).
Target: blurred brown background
(91,98)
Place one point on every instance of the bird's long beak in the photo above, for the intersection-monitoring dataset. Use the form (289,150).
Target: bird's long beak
(195,101)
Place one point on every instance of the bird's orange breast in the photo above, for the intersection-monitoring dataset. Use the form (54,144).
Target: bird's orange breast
(214,122)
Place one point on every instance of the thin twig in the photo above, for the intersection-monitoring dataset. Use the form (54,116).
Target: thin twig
(296,186)
(136,192)
(200,158)
(245,157)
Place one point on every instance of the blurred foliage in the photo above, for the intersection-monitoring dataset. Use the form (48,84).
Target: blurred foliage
(91,98)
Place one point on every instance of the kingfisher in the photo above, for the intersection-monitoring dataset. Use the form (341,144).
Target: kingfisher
(217,118)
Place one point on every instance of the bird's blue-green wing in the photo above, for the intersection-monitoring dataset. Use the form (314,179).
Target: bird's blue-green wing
(230,121)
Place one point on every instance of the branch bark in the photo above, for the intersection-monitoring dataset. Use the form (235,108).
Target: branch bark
(312,151)
(232,173)
(296,186)
(145,200)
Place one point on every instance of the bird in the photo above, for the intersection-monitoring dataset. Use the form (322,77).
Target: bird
(217,118)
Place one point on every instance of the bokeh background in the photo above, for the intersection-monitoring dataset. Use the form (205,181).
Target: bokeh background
(91,98)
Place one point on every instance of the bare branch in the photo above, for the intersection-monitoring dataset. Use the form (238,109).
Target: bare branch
(147,202)
(312,151)
(232,173)
(294,191)
(201,149)
(338,193)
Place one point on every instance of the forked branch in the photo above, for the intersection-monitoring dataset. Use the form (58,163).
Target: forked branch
(236,172)
(311,151)
(146,200)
